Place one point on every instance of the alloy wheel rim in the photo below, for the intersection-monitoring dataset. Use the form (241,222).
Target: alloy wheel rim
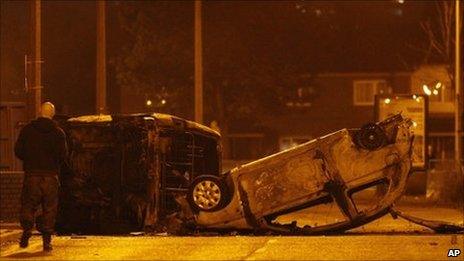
(206,194)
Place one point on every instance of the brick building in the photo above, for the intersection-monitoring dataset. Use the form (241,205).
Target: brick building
(330,101)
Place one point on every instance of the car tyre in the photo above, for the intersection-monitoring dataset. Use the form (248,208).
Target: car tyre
(371,137)
(207,193)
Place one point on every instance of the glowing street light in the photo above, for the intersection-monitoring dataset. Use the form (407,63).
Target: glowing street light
(434,90)
(426,90)
(148,103)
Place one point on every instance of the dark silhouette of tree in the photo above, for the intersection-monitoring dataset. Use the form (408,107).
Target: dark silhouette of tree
(156,57)
(244,81)
(241,84)
(439,30)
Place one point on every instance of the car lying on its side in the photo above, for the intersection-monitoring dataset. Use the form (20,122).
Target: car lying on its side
(124,169)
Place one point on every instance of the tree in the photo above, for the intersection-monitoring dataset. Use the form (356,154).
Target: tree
(439,30)
(243,83)
(241,92)
(156,57)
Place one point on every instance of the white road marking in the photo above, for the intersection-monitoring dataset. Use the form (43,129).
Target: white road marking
(261,249)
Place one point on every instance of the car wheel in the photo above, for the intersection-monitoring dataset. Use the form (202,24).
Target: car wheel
(371,137)
(207,193)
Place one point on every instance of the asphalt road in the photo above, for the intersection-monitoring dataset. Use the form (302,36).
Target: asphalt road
(384,239)
(346,247)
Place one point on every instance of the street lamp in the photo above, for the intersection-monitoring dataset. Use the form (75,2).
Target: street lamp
(457,81)
(432,90)
(198,57)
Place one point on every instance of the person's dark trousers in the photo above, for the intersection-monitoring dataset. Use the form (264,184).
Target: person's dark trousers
(39,191)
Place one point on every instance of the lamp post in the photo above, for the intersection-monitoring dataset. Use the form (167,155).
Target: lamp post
(35,92)
(101,59)
(198,64)
(457,80)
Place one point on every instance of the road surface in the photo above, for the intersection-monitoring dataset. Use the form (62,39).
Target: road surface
(346,247)
(384,239)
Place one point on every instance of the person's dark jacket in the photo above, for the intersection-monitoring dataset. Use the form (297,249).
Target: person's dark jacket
(41,146)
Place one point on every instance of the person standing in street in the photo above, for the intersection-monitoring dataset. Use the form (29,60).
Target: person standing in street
(41,145)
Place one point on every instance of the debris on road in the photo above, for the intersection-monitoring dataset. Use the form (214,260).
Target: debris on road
(78,237)
(138,233)
(437,226)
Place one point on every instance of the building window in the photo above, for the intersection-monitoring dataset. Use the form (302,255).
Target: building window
(364,91)
(303,97)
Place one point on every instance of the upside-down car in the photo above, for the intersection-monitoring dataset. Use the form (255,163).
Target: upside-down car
(328,169)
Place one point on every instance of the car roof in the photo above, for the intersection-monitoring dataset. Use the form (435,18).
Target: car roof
(163,120)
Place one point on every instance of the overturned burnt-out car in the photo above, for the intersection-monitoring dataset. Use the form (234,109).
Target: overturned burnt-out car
(124,170)
(328,170)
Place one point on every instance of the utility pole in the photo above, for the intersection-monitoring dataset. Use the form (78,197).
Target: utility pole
(101,59)
(198,64)
(457,79)
(35,90)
